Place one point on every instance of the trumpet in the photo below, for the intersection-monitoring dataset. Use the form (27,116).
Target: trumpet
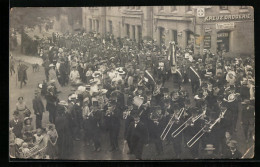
(170,124)
(189,122)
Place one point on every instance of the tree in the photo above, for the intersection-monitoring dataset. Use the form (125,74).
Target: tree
(29,17)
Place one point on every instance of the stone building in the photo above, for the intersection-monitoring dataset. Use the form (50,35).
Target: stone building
(217,28)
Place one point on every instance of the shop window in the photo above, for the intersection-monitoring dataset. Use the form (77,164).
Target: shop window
(223,38)
(173,8)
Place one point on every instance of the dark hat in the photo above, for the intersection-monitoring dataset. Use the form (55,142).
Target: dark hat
(21,97)
(164,90)
(16,113)
(148,93)
(36,91)
(232,87)
(135,114)
(27,118)
(156,108)
(140,87)
(187,101)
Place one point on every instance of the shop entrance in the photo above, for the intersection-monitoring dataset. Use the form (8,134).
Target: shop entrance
(162,35)
(174,36)
(223,41)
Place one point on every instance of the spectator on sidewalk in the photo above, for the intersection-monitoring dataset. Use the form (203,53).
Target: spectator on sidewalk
(22,74)
(38,108)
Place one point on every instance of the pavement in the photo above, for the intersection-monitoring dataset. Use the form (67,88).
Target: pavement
(81,152)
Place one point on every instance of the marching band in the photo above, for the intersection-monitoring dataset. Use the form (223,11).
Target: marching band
(114,93)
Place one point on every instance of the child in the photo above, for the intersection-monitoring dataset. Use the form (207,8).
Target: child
(24,150)
(27,130)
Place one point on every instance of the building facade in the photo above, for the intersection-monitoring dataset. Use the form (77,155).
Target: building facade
(217,28)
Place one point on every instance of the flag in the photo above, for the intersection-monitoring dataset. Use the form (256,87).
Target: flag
(172,57)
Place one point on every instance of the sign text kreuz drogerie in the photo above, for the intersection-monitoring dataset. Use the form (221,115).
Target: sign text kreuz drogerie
(227,17)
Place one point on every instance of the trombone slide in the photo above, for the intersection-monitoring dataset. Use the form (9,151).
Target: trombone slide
(167,129)
(180,129)
(195,138)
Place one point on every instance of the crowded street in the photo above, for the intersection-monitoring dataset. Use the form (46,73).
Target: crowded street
(84,95)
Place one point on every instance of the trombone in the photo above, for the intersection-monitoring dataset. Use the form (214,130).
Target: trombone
(170,124)
(207,128)
(189,122)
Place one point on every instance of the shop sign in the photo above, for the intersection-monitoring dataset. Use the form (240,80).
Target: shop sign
(223,35)
(200,12)
(221,26)
(237,17)
(207,30)
(207,41)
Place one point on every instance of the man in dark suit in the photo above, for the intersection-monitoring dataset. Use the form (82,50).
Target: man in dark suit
(22,74)
(233,153)
(38,108)
(17,125)
(51,99)
(155,129)
(113,125)
(138,135)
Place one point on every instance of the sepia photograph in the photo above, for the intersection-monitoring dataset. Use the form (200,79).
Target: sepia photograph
(131,83)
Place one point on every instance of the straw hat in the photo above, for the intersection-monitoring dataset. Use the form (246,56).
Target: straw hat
(63,103)
(209,147)
(51,65)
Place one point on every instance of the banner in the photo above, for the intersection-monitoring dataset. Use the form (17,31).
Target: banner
(172,56)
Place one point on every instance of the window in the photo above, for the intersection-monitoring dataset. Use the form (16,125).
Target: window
(128,30)
(223,7)
(97,24)
(90,24)
(243,7)
(188,9)
(174,35)
(110,27)
(133,28)
(161,8)
(173,8)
